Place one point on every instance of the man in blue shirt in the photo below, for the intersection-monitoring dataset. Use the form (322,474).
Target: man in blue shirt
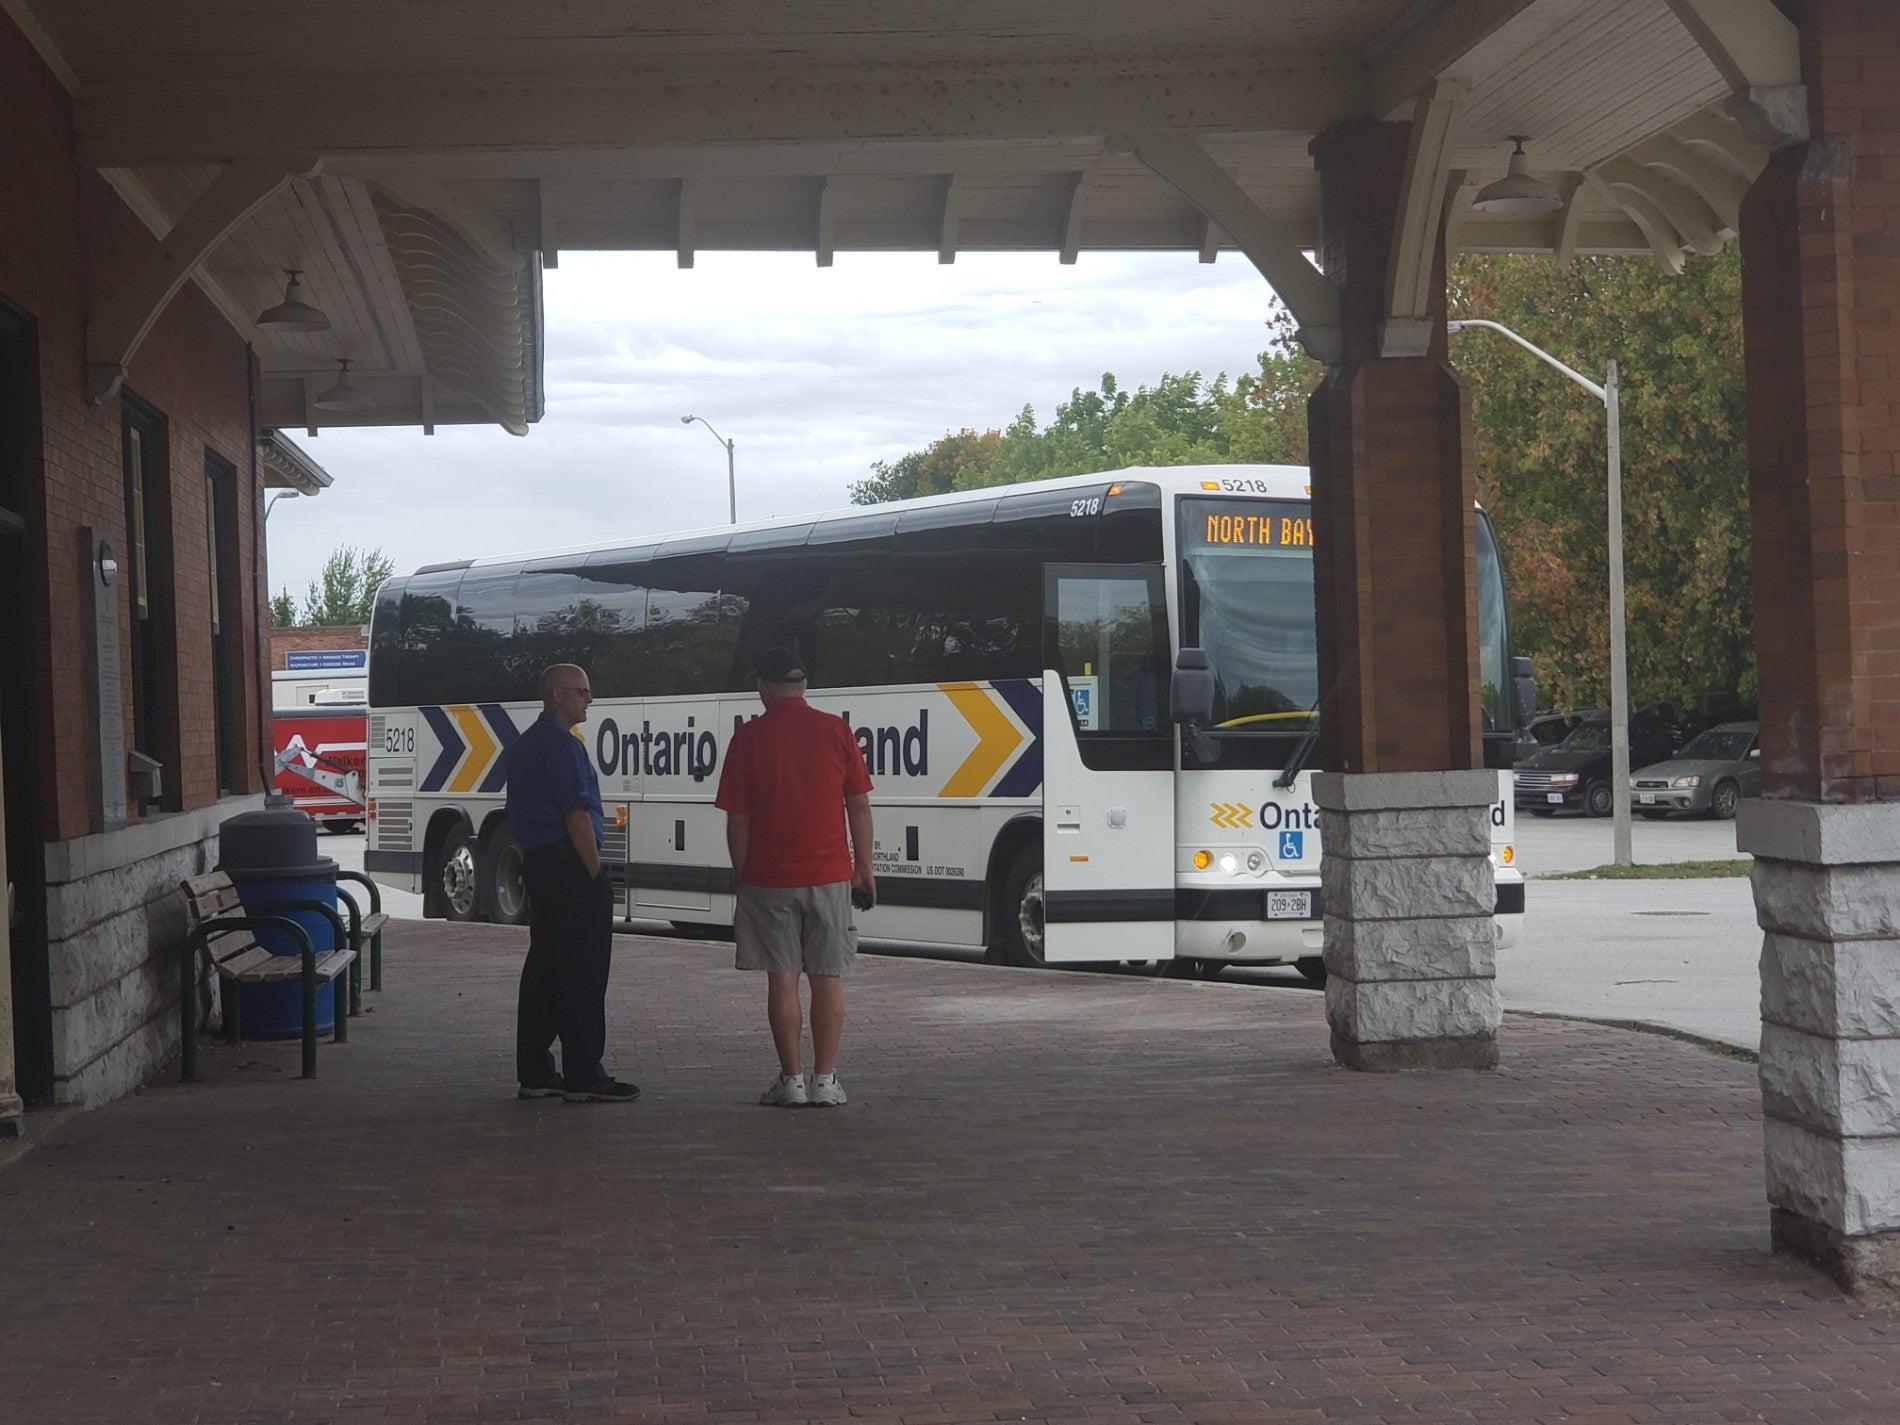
(554,808)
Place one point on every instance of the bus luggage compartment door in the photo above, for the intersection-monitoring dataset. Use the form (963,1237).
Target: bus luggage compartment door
(1108,751)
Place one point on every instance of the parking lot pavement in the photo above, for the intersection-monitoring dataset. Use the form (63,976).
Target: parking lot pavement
(1052,1197)
(1569,842)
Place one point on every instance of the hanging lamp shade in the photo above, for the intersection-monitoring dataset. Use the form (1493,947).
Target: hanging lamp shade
(1520,193)
(293,314)
(345,396)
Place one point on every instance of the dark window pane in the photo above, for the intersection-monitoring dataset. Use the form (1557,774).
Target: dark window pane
(1129,530)
(1247,599)
(550,626)
(385,645)
(769,590)
(484,630)
(613,591)
(428,623)
(686,646)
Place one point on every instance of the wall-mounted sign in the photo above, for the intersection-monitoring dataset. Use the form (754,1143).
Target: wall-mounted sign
(314,660)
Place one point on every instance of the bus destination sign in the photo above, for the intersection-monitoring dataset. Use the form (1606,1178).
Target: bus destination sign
(1268,528)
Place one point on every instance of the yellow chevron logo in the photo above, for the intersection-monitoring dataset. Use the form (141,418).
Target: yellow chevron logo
(1230,815)
(996,739)
(482,748)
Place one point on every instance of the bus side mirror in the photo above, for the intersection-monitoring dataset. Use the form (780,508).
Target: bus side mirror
(1191,699)
(1523,691)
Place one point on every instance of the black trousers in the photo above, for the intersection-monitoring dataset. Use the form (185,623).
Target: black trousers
(564,981)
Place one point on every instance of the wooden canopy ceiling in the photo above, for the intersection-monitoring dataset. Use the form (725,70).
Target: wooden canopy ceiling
(420,162)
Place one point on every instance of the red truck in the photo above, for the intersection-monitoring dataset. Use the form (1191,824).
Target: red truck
(321,761)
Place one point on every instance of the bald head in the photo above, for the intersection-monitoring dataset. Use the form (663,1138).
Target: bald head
(566,691)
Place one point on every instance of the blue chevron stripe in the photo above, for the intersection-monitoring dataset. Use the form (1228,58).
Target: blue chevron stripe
(1025,774)
(452,748)
(503,726)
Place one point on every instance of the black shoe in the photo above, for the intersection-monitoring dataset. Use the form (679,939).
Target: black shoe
(553,1088)
(602,1090)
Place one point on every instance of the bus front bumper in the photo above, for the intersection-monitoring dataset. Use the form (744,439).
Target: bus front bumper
(1230,925)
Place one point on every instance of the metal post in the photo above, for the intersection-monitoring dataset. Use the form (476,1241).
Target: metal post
(732,488)
(1619,652)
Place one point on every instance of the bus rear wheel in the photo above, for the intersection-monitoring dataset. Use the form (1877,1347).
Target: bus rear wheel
(504,884)
(1020,936)
(456,875)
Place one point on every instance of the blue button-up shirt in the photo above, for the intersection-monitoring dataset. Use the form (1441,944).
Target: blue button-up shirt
(550,775)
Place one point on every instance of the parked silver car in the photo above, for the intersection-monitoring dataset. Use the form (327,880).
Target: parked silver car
(1713,771)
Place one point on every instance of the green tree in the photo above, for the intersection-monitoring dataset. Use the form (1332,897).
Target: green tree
(1541,458)
(283,610)
(346,590)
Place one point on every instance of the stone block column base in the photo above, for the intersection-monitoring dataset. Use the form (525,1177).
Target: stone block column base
(1827,896)
(1411,953)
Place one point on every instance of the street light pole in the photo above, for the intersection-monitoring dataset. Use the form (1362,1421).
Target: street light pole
(732,488)
(1619,650)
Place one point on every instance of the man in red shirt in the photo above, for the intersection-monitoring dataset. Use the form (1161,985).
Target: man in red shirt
(793,780)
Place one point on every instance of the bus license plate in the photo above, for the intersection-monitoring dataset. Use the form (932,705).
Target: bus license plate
(1289,905)
(1557,797)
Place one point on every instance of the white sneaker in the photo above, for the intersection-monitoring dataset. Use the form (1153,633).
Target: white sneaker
(785,1093)
(825,1093)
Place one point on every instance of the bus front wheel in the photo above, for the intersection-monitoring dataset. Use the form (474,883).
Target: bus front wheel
(504,886)
(1020,936)
(456,875)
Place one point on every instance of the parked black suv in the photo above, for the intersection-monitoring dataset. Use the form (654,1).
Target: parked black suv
(1575,773)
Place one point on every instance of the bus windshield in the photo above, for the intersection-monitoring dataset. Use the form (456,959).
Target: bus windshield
(1247,599)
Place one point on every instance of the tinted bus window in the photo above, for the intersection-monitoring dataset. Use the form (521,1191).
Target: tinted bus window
(1028,530)
(484,633)
(686,646)
(428,624)
(1129,528)
(958,626)
(613,587)
(547,625)
(769,589)
(385,645)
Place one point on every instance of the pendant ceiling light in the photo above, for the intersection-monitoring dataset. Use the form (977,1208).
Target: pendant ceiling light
(293,314)
(343,396)
(1519,194)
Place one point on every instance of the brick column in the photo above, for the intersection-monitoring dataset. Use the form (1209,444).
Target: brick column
(1821,306)
(1404,822)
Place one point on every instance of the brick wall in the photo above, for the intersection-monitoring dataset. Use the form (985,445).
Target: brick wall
(1821,312)
(322,636)
(1394,489)
(67,242)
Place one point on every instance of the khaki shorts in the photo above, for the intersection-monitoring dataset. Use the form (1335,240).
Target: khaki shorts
(794,928)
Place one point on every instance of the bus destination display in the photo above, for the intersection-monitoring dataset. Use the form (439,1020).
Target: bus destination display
(1249,524)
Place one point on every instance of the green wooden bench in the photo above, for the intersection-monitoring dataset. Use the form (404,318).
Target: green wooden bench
(225,929)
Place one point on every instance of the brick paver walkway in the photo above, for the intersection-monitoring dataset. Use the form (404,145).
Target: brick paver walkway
(1053,1197)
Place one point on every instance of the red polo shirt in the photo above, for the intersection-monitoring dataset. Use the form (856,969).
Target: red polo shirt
(790,771)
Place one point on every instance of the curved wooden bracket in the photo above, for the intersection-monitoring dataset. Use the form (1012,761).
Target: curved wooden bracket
(116,330)
(1186,167)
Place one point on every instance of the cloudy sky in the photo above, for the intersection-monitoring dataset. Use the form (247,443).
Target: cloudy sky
(814,372)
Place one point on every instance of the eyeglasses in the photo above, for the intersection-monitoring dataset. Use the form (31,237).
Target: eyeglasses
(587,693)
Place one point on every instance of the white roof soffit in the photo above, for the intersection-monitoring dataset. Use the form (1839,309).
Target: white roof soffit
(458,160)
(287,467)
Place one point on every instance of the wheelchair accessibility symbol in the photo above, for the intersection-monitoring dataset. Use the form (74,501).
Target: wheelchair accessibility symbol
(1292,845)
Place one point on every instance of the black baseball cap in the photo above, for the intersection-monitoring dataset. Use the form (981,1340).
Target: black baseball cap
(780,665)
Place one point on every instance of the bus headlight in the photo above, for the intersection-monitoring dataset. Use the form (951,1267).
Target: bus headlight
(1229,863)
(1256,861)
(1203,859)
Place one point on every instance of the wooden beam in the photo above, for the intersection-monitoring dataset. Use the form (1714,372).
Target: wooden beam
(1568,224)
(28,25)
(1413,257)
(1073,218)
(950,221)
(1656,228)
(1211,238)
(1460,189)
(1751,42)
(684,235)
(550,231)
(1185,166)
(825,238)
(1693,220)
(1427,41)
(1714,182)
(195,120)
(117,328)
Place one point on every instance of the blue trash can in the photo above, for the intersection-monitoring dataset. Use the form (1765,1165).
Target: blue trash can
(271,857)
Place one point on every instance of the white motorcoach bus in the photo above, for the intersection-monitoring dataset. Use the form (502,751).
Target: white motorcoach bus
(1004,657)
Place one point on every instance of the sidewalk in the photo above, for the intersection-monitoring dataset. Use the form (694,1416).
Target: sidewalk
(1053,1197)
